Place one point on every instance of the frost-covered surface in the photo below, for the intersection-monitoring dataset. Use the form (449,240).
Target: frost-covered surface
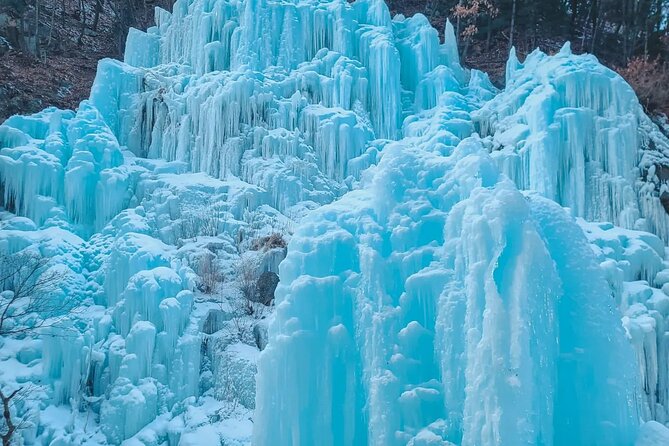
(437,290)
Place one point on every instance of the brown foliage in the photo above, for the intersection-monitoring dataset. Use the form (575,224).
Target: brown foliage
(268,242)
(649,78)
(470,11)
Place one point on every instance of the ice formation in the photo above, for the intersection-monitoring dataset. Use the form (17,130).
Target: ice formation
(446,308)
(581,141)
(461,258)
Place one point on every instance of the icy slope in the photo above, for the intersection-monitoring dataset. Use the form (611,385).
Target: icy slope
(424,299)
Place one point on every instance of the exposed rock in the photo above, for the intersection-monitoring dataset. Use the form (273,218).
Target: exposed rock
(267,283)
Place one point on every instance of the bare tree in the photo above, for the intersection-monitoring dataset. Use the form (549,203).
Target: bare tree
(199,221)
(244,317)
(11,426)
(82,12)
(468,14)
(27,286)
(99,5)
(7,417)
(210,274)
(37,12)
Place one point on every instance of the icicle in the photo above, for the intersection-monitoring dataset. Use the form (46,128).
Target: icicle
(512,65)
(450,46)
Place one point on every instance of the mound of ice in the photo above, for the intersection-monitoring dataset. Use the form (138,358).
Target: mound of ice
(653,434)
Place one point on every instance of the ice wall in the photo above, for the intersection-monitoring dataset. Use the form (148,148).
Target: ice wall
(636,270)
(434,304)
(59,158)
(288,114)
(451,309)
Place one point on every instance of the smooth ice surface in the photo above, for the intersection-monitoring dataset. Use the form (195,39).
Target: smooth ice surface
(461,259)
(653,434)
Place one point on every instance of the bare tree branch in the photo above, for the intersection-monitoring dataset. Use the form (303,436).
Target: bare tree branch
(10,427)
(28,298)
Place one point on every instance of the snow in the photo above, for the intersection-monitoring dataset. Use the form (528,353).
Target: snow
(465,266)
(652,434)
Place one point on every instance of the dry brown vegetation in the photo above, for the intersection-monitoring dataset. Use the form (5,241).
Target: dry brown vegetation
(59,70)
(650,79)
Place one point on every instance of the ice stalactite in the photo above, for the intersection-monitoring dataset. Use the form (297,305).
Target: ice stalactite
(73,161)
(636,270)
(331,54)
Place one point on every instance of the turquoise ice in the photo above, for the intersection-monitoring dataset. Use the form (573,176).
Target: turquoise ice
(466,266)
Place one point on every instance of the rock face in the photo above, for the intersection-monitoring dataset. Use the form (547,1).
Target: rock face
(267,283)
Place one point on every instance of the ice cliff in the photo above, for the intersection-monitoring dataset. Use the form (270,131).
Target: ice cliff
(466,266)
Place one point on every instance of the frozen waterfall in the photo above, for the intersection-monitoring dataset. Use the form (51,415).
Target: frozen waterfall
(465,267)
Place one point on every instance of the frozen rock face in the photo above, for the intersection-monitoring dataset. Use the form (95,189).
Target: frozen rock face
(436,291)
(194,145)
(59,162)
(290,114)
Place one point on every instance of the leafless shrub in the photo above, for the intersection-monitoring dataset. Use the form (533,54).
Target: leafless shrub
(247,281)
(27,299)
(210,274)
(248,237)
(246,308)
(204,221)
(240,327)
(11,425)
(245,315)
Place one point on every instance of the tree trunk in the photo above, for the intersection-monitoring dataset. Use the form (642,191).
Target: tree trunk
(585,26)
(82,8)
(572,24)
(645,42)
(37,48)
(53,23)
(98,9)
(595,26)
(488,34)
(7,416)
(457,24)
(513,23)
